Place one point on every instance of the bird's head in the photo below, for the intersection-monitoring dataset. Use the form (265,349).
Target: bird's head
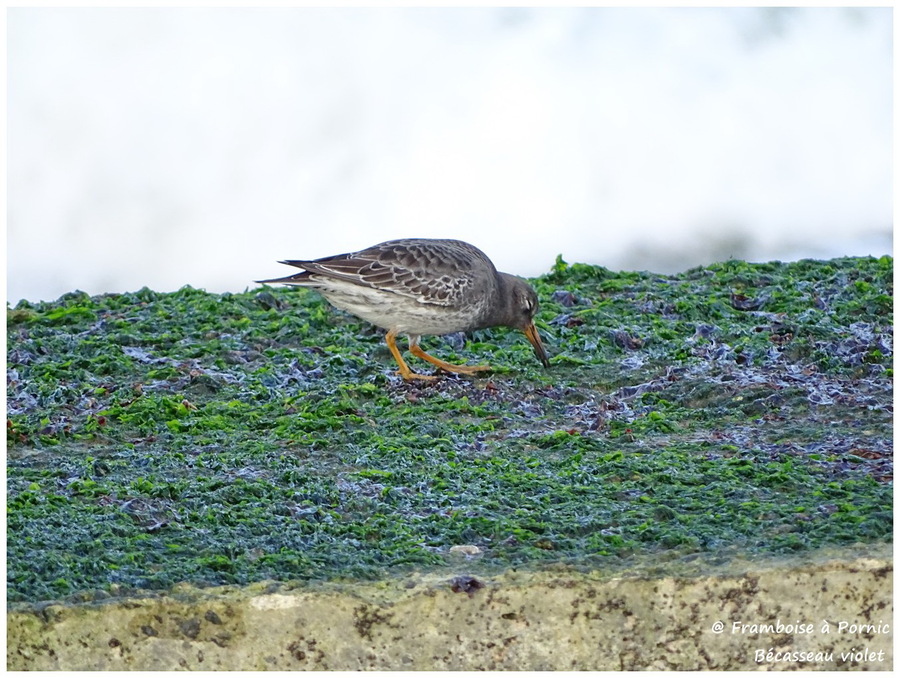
(520,308)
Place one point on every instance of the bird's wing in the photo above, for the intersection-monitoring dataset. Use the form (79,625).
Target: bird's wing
(431,271)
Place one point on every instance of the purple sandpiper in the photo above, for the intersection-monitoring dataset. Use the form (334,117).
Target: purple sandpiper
(419,286)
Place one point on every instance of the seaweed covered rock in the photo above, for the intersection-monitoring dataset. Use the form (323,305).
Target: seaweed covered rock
(227,439)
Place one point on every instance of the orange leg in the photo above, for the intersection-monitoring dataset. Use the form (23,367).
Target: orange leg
(405,372)
(416,350)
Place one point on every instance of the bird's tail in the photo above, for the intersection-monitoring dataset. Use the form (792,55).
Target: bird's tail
(301,278)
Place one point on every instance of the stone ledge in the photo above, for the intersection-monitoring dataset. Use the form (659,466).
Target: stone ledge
(517,620)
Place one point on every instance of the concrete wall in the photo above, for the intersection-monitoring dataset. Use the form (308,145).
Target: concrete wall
(549,620)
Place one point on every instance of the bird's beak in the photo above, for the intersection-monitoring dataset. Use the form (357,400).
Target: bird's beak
(535,339)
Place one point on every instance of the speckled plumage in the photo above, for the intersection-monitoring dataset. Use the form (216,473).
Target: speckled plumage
(419,286)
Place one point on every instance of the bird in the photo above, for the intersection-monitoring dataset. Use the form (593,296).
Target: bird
(423,286)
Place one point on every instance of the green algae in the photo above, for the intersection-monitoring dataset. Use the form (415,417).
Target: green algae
(160,438)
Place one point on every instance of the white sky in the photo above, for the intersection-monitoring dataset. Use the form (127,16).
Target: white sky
(168,146)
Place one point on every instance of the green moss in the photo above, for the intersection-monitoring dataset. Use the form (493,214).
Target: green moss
(158,438)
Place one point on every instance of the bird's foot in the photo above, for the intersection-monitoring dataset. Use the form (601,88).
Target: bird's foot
(409,375)
(464,369)
(416,350)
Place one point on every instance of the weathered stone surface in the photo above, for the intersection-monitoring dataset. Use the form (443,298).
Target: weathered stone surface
(548,620)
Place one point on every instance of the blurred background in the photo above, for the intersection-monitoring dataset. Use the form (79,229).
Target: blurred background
(167,146)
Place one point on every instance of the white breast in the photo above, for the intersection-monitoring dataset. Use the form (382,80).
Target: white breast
(396,312)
